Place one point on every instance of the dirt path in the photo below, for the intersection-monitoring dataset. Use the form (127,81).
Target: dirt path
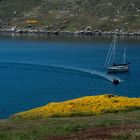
(100,133)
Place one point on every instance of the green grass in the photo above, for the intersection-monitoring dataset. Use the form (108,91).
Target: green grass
(38,129)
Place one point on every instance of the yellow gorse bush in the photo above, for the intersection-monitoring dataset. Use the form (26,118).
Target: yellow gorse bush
(31,21)
(85,106)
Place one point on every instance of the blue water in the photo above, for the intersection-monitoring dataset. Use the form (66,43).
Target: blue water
(27,79)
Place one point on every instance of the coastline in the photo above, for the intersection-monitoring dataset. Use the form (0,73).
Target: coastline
(68,33)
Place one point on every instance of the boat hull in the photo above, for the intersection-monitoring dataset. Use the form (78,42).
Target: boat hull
(118,69)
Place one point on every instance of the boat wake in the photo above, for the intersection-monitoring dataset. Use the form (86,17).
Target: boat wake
(90,71)
(42,67)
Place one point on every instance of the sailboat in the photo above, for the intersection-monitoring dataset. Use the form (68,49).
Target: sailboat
(115,67)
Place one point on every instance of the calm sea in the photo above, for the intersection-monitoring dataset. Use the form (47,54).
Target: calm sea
(28,80)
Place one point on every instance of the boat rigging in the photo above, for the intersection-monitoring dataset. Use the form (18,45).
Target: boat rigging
(115,67)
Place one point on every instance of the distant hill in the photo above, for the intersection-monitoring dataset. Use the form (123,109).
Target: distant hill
(71,14)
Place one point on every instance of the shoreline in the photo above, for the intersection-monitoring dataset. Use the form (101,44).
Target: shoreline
(100,97)
(68,33)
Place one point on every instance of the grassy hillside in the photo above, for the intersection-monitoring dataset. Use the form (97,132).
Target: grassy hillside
(86,106)
(115,118)
(71,14)
(119,126)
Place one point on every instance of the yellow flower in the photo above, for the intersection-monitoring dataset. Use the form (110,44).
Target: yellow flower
(90,105)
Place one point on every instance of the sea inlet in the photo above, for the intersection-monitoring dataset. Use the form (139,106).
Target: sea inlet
(30,76)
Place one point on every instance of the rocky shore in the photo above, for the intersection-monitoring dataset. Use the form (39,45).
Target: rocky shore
(65,33)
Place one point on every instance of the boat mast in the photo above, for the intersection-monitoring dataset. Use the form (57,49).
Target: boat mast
(114,49)
(109,54)
(124,56)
